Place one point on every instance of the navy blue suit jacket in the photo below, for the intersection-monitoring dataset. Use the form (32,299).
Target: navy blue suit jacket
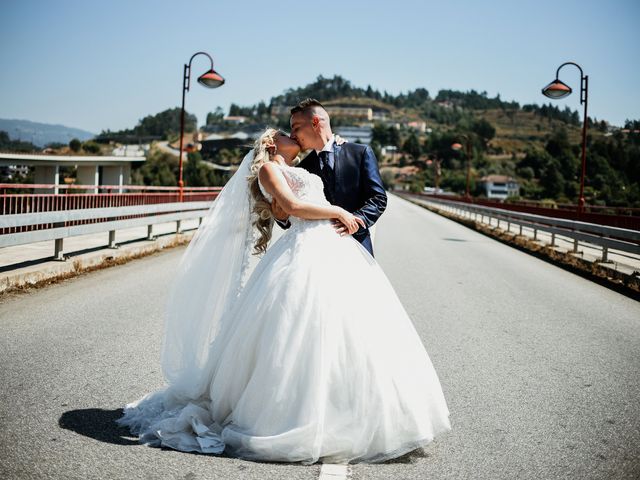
(358,187)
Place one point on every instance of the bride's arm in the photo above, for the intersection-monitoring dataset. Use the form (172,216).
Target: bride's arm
(274,183)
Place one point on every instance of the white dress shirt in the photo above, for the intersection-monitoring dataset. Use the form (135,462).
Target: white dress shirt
(328,147)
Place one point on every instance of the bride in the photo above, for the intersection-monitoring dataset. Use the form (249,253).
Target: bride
(311,357)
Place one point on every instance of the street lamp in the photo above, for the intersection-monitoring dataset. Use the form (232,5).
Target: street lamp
(209,79)
(437,168)
(457,146)
(558,89)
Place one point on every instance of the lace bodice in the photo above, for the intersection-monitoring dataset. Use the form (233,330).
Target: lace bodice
(304,185)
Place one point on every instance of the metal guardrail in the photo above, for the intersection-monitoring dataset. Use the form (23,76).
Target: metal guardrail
(621,217)
(63,215)
(153,214)
(604,236)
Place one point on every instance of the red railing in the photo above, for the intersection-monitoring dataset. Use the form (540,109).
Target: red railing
(621,217)
(107,196)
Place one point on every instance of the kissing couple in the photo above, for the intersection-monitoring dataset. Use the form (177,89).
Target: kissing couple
(310,356)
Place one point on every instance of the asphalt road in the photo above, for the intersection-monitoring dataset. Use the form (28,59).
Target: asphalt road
(540,367)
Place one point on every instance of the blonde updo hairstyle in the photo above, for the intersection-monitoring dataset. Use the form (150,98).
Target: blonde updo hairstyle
(264,147)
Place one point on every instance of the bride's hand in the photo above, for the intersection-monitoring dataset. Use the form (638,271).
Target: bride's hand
(348,223)
(340,140)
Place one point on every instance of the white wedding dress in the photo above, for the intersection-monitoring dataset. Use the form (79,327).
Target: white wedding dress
(317,360)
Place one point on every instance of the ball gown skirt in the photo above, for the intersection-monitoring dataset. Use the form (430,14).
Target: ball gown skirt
(316,361)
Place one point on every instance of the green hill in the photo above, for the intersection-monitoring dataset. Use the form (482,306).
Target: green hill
(539,145)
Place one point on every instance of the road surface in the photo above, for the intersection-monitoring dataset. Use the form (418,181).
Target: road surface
(540,367)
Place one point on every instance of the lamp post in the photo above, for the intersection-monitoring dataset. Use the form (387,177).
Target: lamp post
(558,89)
(210,79)
(457,146)
(437,167)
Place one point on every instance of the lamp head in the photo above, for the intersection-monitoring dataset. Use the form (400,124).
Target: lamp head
(556,89)
(211,79)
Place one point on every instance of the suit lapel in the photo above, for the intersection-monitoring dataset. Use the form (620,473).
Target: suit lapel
(311,163)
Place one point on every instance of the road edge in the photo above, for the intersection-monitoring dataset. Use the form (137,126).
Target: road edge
(628,285)
(79,264)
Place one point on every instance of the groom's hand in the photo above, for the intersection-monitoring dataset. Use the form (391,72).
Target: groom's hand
(341,229)
(277,211)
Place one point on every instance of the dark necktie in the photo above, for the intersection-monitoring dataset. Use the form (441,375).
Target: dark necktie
(328,175)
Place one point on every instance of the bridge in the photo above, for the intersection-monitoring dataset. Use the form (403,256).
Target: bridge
(539,365)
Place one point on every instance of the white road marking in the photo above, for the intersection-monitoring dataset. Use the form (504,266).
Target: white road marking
(330,471)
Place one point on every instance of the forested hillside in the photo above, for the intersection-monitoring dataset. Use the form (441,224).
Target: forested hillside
(537,144)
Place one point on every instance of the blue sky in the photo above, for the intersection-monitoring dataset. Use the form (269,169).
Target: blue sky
(105,64)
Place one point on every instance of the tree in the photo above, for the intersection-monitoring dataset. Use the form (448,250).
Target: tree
(385,135)
(559,147)
(379,134)
(394,136)
(161,125)
(535,160)
(160,169)
(165,123)
(526,172)
(455,181)
(412,146)
(55,145)
(195,173)
(551,180)
(9,145)
(262,110)
(439,144)
(75,145)
(388,179)
(377,151)
(91,147)
(216,117)
(483,129)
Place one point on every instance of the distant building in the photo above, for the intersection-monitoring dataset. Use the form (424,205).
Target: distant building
(388,150)
(359,113)
(91,170)
(11,171)
(380,115)
(499,186)
(445,103)
(215,142)
(403,177)
(236,119)
(355,134)
(418,126)
(241,135)
(134,150)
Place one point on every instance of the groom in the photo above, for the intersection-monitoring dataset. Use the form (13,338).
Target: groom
(349,171)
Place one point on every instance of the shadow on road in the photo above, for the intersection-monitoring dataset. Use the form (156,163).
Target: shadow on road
(410,457)
(97,424)
(100,425)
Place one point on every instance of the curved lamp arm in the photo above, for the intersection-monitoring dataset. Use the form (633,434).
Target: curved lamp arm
(187,69)
(583,80)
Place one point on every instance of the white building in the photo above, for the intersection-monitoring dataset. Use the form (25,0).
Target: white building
(352,112)
(134,150)
(355,134)
(235,119)
(91,170)
(499,186)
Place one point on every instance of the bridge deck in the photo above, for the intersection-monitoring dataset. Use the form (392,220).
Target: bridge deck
(539,366)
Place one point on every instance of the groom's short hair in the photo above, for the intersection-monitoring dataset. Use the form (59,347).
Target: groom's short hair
(307,106)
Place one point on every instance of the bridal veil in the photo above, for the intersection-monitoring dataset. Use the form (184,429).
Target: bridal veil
(210,275)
